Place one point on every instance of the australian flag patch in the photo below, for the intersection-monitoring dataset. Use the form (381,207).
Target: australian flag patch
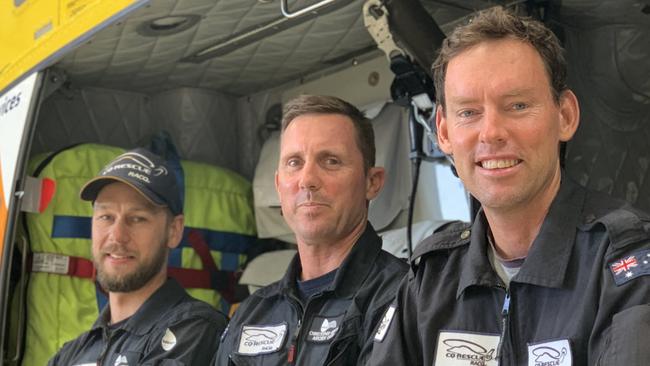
(630,266)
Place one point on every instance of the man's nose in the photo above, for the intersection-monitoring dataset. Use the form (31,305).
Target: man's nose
(493,129)
(310,176)
(120,231)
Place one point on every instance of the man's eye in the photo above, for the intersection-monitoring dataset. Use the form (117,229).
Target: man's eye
(293,162)
(138,219)
(103,217)
(332,161)
(466,113)
(519,106)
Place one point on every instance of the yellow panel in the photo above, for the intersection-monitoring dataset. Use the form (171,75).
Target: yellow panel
(36,29)
(3,217)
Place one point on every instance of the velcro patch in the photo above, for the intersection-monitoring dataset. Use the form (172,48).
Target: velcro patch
(324,328)
(261,339)
(552,353)
(464,349)
(630,266)
(382,329)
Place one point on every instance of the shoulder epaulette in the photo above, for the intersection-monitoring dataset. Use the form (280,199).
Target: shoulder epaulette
(451,235)
(624,226)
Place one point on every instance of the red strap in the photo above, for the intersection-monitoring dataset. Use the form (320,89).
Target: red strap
(81,267)
(53,263)
(190,278)
(197,242)
(187,277)
(222,281)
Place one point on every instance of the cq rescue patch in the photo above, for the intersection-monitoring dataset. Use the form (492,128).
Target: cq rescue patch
(385,323)
(630,266)
(464,349)
(324,328)
(553,353)
(261,339)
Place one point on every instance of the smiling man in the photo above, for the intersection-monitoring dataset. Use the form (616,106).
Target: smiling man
(326,308)
(548,273)
(150,319)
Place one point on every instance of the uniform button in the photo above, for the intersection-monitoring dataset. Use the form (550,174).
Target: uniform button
(465,234)
(590,218)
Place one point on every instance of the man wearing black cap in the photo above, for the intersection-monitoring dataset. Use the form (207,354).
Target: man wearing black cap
(150,319)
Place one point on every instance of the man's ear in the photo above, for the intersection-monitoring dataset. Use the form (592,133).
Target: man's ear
(277,185)
(442,132)
(374,182)
(569,115)
(176,227)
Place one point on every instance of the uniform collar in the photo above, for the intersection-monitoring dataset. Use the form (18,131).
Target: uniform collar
(151,311)
(476,269)
(548,259)
(353,270)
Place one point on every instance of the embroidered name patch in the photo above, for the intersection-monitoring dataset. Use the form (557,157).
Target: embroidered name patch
(261,339)
(465,349)
(385,323)
(553,353)
(324,328)
(630,266)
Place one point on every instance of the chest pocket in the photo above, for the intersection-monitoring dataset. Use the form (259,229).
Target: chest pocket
(344,349)
(126,358)
(278,358)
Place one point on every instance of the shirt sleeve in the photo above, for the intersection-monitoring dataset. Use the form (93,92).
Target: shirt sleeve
(396,340)
(620,335)
(628,338)
(54,360)
(192,341)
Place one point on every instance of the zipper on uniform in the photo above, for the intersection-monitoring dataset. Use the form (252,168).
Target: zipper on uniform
(505,312)
(293,348)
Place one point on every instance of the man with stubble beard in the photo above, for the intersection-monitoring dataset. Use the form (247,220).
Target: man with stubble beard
(326,308)
(150,319)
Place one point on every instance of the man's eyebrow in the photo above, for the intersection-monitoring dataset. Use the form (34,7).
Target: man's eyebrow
(461,100)
(509,94)
(518,92)
(289,155)
(328,152)
(139,208)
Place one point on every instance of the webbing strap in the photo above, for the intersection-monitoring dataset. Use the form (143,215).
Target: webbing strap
(61,264)
(76,227)
(201,240)
(84,268)
(79,227)
(223,281)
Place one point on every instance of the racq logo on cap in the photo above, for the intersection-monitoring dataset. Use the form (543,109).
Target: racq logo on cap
(139,165)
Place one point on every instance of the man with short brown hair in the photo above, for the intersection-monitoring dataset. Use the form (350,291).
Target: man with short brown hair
(549,273)
(150,319)
(326,308)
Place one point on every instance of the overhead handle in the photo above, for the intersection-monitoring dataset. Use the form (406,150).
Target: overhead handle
(287,14)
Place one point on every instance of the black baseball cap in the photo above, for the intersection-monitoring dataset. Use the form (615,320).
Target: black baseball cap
(144,171)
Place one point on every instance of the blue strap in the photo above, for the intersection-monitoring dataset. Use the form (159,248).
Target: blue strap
(79,227)
(102,299)
(222,241)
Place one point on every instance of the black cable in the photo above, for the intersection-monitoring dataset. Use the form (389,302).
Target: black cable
(416,132)
(415,170)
